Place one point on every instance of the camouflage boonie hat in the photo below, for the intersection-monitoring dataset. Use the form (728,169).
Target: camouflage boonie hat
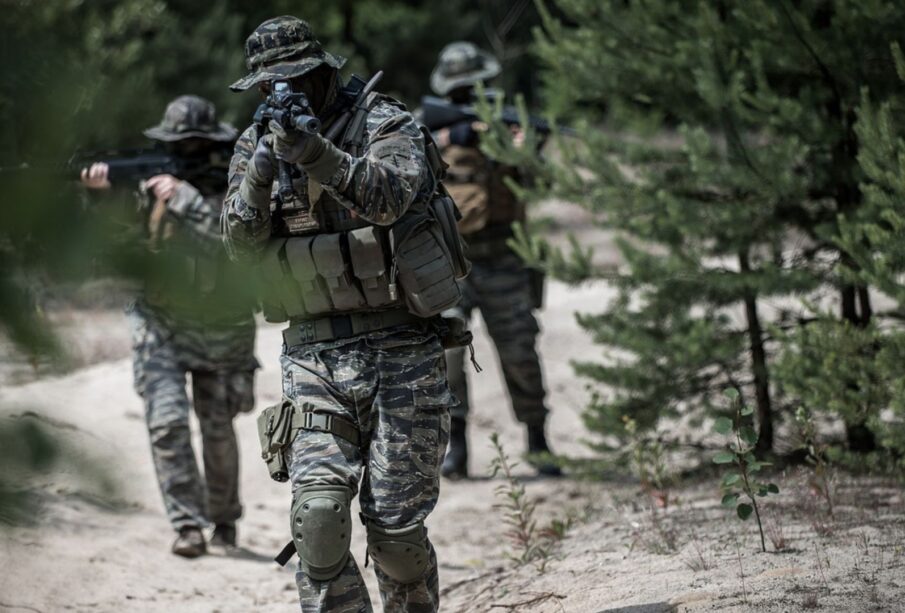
(461,64)
(282,48)
(191,117)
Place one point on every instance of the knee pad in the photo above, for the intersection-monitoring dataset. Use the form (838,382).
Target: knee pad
(321,524)
(400,553)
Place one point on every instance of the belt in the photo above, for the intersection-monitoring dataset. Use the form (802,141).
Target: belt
(345,326)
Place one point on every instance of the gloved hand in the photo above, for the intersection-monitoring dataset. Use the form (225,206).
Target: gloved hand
(259,174)
(463,134)
(319,157)
(292,146)
(261,166)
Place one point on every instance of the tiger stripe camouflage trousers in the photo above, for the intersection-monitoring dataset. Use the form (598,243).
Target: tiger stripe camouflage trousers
(501,288)
(393,385)
(221,363)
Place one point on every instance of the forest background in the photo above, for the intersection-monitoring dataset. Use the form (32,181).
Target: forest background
(748,157)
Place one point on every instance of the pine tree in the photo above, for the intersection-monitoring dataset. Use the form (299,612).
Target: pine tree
(728,155)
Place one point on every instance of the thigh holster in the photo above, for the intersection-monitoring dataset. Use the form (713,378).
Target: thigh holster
(400,553)
(321,524)
(279,424)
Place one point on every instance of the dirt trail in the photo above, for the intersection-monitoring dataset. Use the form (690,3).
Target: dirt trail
(90,551)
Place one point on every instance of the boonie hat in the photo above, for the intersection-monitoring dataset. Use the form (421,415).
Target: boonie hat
(462,64)
(282,48)
(191,117)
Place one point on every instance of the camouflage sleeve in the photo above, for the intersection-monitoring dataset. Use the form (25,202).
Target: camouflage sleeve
(198,217)
(391,174)
(245,229)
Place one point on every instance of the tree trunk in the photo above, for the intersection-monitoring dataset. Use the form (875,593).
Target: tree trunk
(758,365)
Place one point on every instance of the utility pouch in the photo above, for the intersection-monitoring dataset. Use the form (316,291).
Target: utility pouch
(304,271)
(331,264)
(274,430)
(443,209)
(369,264)
(423,265)
(280,296)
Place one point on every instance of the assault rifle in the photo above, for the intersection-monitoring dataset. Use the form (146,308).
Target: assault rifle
(437,113)
(292,111)
(128,166)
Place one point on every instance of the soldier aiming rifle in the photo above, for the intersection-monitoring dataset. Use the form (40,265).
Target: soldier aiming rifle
(355,239)
(189,320)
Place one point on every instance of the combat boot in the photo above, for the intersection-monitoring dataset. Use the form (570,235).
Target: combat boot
(539,455)
(224,536)
(189,543)
(455,464)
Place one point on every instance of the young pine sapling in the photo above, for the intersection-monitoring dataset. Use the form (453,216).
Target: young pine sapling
(741,480)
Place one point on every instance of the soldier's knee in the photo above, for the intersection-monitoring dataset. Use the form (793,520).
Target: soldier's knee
(321,524)
(400,553)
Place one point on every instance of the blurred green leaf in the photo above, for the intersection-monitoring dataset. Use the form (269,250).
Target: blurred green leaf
(722,425)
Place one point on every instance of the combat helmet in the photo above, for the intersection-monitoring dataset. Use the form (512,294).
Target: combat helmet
(462,64)
(191,117)
(282,48)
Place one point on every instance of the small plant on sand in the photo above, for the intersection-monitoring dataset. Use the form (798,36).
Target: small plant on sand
(741,479)
(648,457)
(776,531)
(821,481)
(530,544)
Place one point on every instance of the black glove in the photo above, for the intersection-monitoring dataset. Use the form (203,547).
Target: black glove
(463,134)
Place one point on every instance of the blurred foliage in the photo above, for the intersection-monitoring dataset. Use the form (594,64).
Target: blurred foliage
(88,75)
(26,451)
(750,155)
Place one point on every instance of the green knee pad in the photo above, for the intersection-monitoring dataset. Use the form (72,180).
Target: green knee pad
(321,524)
(400,553)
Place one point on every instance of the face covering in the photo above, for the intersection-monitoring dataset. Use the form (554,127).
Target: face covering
(319,86)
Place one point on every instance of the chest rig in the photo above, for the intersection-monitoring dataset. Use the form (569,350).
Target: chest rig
(323,260)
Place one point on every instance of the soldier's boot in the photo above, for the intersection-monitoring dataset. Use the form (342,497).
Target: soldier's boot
(455,464)
(189,543)
(224,536)
(539,454)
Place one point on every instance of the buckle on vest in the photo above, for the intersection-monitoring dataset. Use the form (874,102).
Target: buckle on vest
(320,422)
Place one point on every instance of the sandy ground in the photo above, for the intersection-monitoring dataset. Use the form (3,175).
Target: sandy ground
(92,550)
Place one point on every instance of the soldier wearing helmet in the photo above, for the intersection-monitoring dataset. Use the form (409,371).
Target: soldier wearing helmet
(353,259)
(189,319)
(504,290)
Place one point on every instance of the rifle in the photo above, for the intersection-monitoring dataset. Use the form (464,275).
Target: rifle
(128,166)
(293,112)
(437,113)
